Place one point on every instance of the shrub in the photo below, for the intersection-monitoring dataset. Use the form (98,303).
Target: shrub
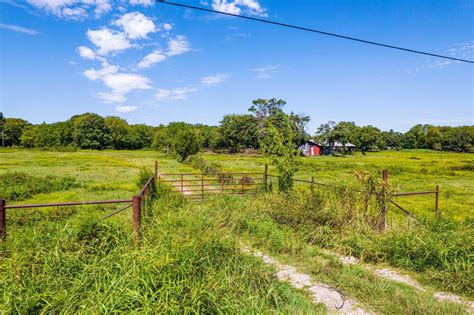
(208,168)
(20,185)
(186,143)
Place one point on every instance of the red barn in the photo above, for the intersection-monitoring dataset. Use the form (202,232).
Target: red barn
(310,148)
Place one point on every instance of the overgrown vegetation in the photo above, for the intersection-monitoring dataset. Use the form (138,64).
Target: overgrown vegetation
(185,264)
(64,259)
(207,168)
(20,185)
(441,252)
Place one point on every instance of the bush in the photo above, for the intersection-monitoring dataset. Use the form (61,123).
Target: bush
(186,143)
(440,250)
(20,185)
(208,168)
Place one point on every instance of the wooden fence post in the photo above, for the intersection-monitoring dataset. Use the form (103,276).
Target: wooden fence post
(383,216)
(265,177)
(438,214)
(136,206)
(3,220)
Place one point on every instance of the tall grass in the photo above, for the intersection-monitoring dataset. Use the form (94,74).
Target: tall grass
(441,251)
(258,223)
(185,264)
(20,185)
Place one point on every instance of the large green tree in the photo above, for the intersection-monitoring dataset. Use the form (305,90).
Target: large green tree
(370,139)
(237,132)
(186,143)
(91,132)
(12,129)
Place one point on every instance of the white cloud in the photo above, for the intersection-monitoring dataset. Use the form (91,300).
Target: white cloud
(178,45)
(150,59)
(125,82)
(174,94)
(459,50)
(93,74)
(125,109)
(142,2)
(136,25)
(108,41)
(86,52)
(121,84)
(251,7)
(52,6)
(214,79)
(72,9)
(19,29)
(224,6)
(74,13)
(111,97)
(265,72)
(167,26)
(101,6)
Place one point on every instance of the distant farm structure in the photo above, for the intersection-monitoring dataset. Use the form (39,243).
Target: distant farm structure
(312,148)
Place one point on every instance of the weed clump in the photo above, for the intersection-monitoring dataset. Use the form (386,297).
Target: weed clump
(20,185)
(208,168)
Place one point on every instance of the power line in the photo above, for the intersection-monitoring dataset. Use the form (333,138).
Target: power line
(314,31)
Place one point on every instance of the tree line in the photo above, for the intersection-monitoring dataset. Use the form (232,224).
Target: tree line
(235,132)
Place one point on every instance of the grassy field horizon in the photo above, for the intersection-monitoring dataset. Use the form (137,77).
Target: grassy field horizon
(111,173)
(53,256)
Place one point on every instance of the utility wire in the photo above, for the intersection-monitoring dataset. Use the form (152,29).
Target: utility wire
(314,31)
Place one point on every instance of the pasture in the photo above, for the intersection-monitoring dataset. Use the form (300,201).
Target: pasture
(65,259)
(111,174)
(409,170)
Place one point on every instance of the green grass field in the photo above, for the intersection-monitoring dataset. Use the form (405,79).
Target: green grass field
(65,260)
(111,174)
(413,170)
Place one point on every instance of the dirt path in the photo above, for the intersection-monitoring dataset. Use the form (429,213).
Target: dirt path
(395,276)
(185,191)
(321,293)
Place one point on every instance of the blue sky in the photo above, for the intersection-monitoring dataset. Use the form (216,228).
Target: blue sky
(156,63)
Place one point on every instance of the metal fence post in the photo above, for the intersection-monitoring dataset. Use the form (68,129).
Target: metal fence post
(202,187)
(265,177)
(136,206)
(222,182)
(3,220)
(383,216)
(438,214)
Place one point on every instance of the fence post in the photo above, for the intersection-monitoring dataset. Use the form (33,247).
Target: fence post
(438,214)
(136,206)
(202,187)
(265,177)
(222,182)
(383,217)
(156,170)
(312,183)
(3,220)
